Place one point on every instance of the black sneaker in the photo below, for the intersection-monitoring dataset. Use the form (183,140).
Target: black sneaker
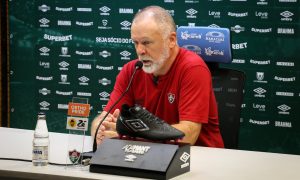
(138,122)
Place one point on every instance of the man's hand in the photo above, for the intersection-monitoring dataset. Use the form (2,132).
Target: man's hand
(108,128)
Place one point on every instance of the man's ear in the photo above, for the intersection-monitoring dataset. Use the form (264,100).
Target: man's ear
(172,39)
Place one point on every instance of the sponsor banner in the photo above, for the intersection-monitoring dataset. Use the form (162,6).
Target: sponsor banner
(259,121)
(45,104)
(83,53)
(286,15)
(285,109)
(77,123)
(237,14)
(81,46)
(260,107)
(259,77)
(285,78)
(260,91)
(285,93)
(78,109)
(286,64)
(287,3)
(258,64)
(285,30)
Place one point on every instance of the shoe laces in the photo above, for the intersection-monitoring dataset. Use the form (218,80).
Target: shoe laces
(144,114)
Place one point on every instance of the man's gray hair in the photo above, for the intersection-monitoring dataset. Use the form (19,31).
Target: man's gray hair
(161,16)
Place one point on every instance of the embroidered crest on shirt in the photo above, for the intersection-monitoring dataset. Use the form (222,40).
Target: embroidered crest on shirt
(171,97)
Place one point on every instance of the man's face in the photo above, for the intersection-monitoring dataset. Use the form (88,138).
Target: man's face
(151,47)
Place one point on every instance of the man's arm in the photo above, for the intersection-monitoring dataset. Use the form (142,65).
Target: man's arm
(190,129)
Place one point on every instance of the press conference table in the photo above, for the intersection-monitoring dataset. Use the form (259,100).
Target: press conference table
(206,163)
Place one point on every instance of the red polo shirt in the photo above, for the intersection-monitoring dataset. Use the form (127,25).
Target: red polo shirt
(184,93)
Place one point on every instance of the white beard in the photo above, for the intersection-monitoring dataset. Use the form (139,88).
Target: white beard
(154,67)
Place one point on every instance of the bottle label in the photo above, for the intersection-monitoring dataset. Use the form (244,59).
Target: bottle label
(40,153)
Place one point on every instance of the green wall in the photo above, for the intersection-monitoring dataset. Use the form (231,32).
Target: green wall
(64,49)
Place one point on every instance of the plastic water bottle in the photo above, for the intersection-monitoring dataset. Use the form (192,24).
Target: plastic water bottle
(40,142)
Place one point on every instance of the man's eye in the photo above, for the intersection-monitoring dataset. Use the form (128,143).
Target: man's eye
(146,42)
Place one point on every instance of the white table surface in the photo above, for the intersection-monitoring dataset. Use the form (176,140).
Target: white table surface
(206,163)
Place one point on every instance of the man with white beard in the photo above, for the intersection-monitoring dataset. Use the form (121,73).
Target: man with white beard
(174,85)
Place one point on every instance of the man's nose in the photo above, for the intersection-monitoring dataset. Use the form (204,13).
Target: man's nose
(140,49)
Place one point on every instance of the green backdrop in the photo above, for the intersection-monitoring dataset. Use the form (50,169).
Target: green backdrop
(64,49)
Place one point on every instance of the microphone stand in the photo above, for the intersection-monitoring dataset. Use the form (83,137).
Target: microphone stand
(138,65)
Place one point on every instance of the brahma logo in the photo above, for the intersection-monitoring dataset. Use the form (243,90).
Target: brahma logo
(286,31)
(81,9)
(125,11)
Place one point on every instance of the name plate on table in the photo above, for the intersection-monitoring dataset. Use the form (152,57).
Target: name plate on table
(141,159)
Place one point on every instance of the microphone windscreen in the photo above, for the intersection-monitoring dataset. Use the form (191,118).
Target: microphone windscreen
(138,65)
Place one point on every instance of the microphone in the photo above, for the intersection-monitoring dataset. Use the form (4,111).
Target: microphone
(138,65)
(155,80)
